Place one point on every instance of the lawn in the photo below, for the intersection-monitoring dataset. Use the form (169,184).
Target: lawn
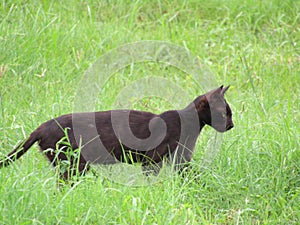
(252,176)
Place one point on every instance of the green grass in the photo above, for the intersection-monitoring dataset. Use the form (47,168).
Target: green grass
(252,45)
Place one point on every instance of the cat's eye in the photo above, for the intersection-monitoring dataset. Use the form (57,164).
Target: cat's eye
(224,115)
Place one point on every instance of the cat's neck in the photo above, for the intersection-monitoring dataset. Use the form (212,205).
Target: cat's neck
(191,118)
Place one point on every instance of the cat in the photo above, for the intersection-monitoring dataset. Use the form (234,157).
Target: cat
(126,135)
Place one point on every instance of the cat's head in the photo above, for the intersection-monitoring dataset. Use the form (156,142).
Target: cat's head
(213,109)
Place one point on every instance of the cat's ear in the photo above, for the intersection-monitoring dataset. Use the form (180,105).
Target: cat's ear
(223,90)
(215,93)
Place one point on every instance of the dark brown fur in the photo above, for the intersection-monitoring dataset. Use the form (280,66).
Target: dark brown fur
(211,109)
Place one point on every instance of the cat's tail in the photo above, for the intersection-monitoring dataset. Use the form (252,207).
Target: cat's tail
(19,150)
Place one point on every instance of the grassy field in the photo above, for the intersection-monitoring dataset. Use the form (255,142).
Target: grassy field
(45,49)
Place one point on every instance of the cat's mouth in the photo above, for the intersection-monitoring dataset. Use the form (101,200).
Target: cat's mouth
(229,126)
(224,128)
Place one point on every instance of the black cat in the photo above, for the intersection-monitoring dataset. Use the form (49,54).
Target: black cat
(126,135)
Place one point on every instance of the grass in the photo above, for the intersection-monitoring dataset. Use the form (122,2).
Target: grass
(46,47)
